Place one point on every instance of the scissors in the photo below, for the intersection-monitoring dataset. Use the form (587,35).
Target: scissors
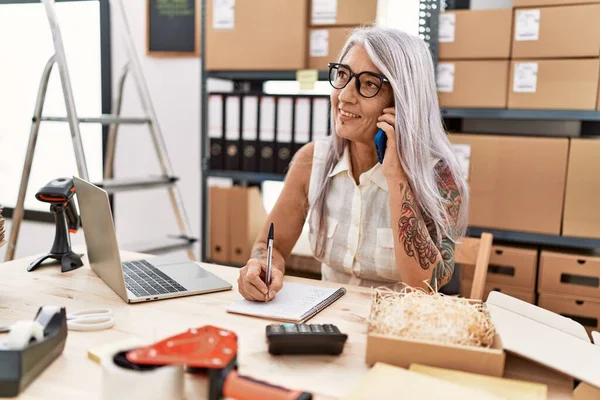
(91,320)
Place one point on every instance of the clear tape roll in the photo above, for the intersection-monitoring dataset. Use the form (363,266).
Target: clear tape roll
(158,383)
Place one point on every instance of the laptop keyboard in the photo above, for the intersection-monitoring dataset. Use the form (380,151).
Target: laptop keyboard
(144,279)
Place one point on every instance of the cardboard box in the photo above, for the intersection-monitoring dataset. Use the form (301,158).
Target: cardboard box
(219,224)
(565,32)
(527,295)
(545,338)
(536,3)
(244,39)
(473,84)
(582,212)
(514,267)
(475,34)
(569,274)
(585,312)
(342,12)
(570,84)
(586,392)
(516,183)
(402,353)
(247,217)
(325,45)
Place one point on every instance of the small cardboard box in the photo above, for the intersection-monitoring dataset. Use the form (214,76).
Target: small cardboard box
(511,266)
(556,32)
(474,84)
(569,84)
(475,34)
(586,312)
(527,295)
(537,3)
(325,45)
(546,338)
(342,12)
(516,183)
(403,353)
(242,38)
(582,213)
(570,274)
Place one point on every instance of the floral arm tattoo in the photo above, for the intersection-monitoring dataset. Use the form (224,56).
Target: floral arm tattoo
(416,232)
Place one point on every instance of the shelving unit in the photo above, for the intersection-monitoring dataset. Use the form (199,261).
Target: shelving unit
(252,82)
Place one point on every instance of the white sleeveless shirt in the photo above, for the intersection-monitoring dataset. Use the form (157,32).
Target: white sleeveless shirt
(359,248)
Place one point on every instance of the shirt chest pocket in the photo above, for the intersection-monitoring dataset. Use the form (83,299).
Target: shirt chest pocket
(332,225)
(385,258)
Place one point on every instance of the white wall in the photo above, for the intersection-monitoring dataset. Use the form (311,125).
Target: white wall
(174,85)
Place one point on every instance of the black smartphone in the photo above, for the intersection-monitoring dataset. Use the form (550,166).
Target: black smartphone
(380,144)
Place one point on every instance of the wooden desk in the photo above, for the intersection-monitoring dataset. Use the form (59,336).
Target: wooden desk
(74,376)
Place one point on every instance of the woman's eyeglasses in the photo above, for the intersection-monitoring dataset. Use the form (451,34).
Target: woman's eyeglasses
(368,84)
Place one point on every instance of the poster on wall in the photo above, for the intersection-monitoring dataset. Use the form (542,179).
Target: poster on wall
(173,28)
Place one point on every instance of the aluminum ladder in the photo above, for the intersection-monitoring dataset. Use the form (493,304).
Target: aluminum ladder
(185,239)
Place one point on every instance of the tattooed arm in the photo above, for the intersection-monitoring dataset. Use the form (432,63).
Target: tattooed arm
(421,258)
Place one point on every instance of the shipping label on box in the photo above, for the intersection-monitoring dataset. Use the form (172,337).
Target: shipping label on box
(319,43)
(224,14)
(527,25)
(463,155)
(445,77)
(525,77)
(324,12)
(447,30)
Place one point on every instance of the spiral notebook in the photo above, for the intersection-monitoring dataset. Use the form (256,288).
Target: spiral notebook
(296,302)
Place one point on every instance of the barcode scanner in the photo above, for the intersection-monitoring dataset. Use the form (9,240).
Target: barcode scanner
(59,193)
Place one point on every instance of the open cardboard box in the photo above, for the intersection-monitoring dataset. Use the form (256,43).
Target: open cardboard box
(524,330)
(404,352)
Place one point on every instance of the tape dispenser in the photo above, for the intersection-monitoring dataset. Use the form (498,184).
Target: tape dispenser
(213,351)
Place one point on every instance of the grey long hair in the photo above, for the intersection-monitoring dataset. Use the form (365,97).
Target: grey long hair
(407,63)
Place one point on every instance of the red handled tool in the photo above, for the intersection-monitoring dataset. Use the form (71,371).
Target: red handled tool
(212,350)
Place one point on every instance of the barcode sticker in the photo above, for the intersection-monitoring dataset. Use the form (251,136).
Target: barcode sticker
(525,77)
(445,77)
(527,25)
(319,43)
(463,155)
(447,30)
(324,12)
(224,14)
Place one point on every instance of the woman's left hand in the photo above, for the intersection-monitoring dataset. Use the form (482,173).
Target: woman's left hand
(391,161)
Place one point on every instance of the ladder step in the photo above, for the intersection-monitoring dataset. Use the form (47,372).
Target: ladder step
(165,245)
(104,119)
(122,185)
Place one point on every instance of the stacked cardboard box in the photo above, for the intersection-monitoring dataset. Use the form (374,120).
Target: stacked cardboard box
(245,37)
(569,284)
(474,51)
(236,217)
(512,270)
(516,183)
(555,50)
(331,21)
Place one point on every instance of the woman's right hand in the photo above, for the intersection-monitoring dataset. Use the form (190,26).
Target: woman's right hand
(251,281)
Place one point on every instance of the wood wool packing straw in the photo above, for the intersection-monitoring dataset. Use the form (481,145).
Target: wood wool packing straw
(418,315)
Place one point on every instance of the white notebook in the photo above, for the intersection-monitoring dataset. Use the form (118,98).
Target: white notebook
(296,302)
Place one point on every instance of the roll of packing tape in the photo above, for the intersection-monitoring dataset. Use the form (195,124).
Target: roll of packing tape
(21,333)
(122,379)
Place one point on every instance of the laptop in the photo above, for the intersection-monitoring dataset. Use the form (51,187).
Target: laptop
(139,280)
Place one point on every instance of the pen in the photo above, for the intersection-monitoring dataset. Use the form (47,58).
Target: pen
(269,255)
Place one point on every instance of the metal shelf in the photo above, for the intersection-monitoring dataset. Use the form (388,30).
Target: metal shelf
(536,238)
(245,175)
(500,113)
(259,75)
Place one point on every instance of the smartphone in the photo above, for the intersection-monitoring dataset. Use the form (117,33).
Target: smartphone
(380,144)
